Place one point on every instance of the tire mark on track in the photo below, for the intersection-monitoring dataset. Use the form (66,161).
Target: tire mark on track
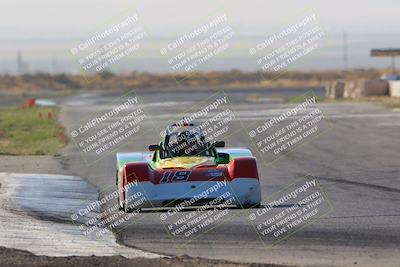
(363,184)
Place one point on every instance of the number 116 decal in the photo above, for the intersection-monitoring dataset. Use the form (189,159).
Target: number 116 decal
(179,176)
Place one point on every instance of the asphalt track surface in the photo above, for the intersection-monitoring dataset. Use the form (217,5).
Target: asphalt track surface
(356,162)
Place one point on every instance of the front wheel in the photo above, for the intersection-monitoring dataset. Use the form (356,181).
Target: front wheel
(120,205)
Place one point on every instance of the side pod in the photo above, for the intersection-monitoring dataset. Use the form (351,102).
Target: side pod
(243,167)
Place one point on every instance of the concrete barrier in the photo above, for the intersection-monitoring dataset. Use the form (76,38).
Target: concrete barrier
(352,89)
(394,88)
(376,87)
(335,89)
(357,88)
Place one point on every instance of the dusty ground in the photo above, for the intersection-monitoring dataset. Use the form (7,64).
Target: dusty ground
(31,164)
(14,258)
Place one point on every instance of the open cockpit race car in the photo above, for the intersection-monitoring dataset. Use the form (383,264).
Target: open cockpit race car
(185,170)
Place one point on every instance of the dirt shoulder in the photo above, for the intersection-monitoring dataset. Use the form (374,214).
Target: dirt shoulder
(32,164)
(14,258)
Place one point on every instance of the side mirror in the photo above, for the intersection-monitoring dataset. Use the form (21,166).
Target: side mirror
(154,147)
(219,144)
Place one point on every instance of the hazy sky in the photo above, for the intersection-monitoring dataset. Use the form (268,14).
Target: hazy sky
(51,18)
(47,29)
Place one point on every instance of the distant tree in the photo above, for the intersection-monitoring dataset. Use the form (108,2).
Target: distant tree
(106,74)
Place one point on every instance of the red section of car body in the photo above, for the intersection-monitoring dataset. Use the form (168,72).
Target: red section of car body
(244,167)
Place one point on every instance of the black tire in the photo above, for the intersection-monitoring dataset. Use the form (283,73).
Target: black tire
(125,206)
(120,207)
(129,210)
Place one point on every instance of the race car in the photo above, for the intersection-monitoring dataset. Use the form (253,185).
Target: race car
(186,170)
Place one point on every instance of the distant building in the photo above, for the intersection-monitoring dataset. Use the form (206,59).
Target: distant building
(390,52)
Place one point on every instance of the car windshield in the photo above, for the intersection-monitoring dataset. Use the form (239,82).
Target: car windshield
(186,141)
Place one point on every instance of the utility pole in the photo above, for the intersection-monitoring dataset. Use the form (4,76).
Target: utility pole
(53,65)
(345,59)
(20,64)
(393,64)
